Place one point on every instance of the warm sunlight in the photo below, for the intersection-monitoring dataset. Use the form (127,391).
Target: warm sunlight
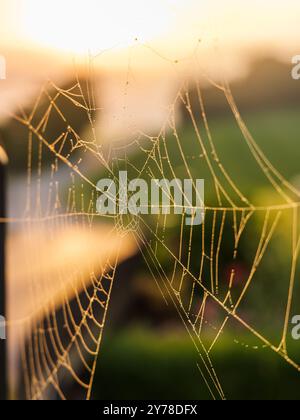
(149,203)
(95,25)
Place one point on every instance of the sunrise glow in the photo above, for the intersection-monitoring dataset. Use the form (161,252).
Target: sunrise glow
(93,25)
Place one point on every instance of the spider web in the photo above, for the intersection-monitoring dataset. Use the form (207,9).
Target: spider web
(60,338)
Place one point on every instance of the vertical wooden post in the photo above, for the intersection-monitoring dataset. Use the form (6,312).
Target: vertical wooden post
(3,342)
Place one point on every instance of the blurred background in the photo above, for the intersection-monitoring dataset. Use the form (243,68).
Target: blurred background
(128,60)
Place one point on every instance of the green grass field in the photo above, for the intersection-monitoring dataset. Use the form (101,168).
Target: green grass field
(139,364)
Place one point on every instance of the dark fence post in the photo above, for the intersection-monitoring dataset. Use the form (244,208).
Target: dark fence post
(3,342)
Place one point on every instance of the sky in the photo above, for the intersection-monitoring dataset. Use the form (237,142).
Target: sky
(172,25)
(138,41)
